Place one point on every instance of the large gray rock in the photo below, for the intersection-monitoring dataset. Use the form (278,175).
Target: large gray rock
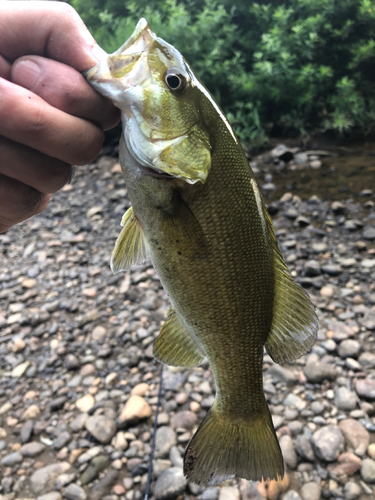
(311,491)
(356,436)
(12,459)
(328,443)
(170,484)
(317,371)
(288,451)
(44,479)
(75,492)
(349,348)
(368,470)
(164,440)
(102,428)
(345,399)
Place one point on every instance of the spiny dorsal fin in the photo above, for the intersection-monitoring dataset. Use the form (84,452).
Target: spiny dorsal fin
(174,345)
(294,325)
(131,248)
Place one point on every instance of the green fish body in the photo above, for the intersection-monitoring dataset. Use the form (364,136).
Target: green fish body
(198,214)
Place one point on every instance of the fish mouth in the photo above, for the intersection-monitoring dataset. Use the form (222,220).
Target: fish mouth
(119,64)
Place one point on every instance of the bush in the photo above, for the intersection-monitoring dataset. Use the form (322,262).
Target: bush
(276,68)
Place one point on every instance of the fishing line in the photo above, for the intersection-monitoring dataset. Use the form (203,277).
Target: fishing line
(154,434)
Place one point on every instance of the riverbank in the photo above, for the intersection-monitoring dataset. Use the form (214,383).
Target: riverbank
(79,384)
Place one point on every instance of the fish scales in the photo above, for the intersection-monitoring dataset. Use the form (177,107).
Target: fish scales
(198,214)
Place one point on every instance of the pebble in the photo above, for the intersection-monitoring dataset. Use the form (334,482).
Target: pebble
(164,440)
(31,450)
(368,470)
(349,348)
(75,492)
(356,436)
(345,399)
(311,491)
(328,443)
(352,491)
(136,409)
(170,484)
(44,478)
(85,403)
(101,428)
(53,495)
(365,388)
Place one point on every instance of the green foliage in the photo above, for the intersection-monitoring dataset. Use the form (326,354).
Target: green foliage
(276,67)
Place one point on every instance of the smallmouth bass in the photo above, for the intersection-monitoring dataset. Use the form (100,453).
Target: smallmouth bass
(198,214)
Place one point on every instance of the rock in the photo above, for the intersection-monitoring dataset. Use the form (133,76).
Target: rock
(332,269)
(54,495)
(368,470)
(304,448)
(229,493)
(104,486)
(348,464)
(367,359)
(170,484)
(345,399)
(289,454)
(293,400)
(369,233)
(101,428)
(312,268)
(349,348)
(368,320)
(291,495)
(32,449)
(356,436)
(283,374)
(311,491)
(57,403)
(185,419)
(43,479)
(71,362)
(12,459)
(26,431)
(135,409)
(98,333)
(31,413)
(96,465)
(317,371)
(352,491)
(62,440)
(211,493)
(164,440)
(20,369)
(139,390)
(75,492)
(328,443)
(365,388)
(371,450)
(85,403)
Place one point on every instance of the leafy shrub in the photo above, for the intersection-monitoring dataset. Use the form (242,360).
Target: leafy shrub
(276,67)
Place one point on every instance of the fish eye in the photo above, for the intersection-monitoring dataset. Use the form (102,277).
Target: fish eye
(175,81)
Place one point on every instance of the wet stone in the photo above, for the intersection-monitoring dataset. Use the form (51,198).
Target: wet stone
(345,399)
(170,484)
(101,428)
(165,439)
(368,470)
(328,443)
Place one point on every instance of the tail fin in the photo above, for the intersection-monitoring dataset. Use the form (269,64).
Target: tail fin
(222,449)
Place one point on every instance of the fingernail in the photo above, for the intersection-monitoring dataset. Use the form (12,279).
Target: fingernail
(26,73)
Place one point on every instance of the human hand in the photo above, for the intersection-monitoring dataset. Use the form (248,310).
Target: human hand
(50,117)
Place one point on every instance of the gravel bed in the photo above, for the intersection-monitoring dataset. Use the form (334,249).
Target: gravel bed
(79,384)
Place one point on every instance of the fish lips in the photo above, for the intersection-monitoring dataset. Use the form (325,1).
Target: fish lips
(113,74)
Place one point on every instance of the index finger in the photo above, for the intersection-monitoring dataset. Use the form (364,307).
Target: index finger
(49,29)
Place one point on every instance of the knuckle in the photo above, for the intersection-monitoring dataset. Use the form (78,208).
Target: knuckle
(33,202)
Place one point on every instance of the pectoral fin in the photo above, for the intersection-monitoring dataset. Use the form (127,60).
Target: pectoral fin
(174,345)
(131,248)
(294,324)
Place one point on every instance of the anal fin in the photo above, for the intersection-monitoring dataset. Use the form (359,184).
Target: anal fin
(131,248)
(174,345)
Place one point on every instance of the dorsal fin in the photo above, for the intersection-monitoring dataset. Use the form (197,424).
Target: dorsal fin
(131,248)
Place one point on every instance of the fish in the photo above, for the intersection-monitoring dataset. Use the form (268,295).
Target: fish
(197,213)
